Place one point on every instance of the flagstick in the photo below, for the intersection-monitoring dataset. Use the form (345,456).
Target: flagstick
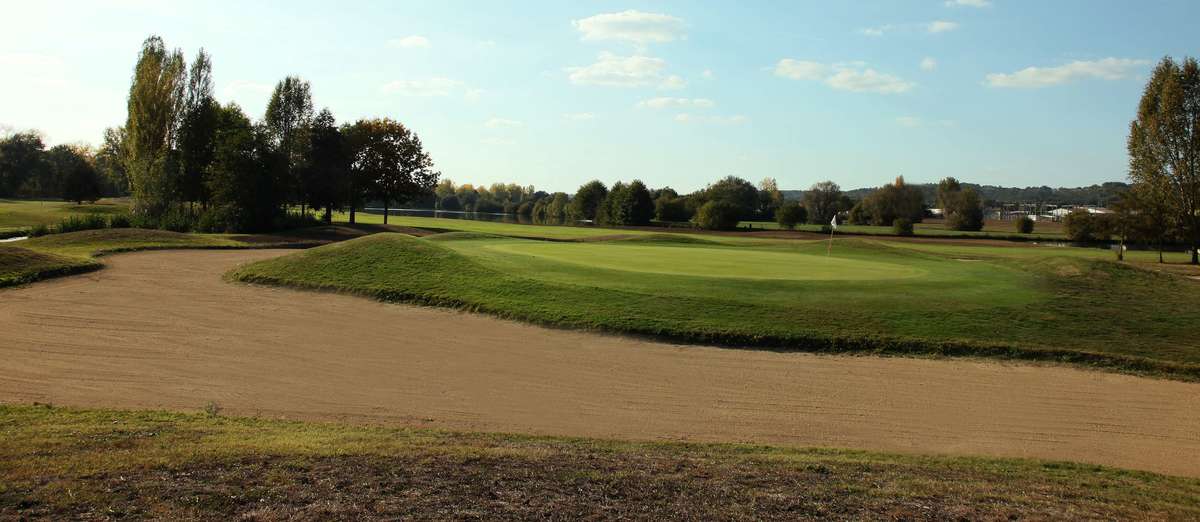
(830,248)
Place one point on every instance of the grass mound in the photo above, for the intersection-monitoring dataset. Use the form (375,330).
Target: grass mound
(983,309)
(61,463)
(20,265)
(106,241)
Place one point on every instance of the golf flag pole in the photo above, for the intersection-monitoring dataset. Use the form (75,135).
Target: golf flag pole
(832,228)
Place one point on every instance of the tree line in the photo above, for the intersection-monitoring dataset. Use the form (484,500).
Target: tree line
(191,163)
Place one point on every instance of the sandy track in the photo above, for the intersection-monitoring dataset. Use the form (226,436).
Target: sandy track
(162,330)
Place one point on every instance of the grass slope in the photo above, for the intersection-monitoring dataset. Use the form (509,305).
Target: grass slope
(928,304)
(60,463)
(21,265)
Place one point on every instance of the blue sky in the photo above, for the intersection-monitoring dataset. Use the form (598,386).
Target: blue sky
(674,93)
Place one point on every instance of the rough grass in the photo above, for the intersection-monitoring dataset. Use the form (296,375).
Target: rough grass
(20,265)
(995,307)
(18,215)
(58,463)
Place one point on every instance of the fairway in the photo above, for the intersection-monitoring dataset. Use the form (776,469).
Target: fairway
(718,262)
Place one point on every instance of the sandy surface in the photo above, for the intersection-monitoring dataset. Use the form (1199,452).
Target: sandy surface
(162,330)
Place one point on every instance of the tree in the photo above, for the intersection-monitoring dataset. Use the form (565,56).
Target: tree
(288,119)
(737,192)
(966,212)
(822,201)
(891,202)
(789,214)
(391,158)
(1024,225)
(717,215)
(75,177)
(617,207)
(111,160)
(1164,144)
(586,201)
(671,208)
(156,102)
(948,191)
(197,131)
(643,205)
(22,157)
(241,178)
(769,197)
(325,177)
(1082,226)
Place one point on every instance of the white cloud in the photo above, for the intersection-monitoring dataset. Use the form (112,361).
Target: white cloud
(876,31)
(928,63)
(867,80)
(852,76)
(707,74)
(672,83)
(502,123)
(801,70)
(579,116)
(631,26)
(473,95)
(720,120)
(941,26)
(663,102)
(410,42)
(968,3)
(1033,77)
(424,87)
(619,71)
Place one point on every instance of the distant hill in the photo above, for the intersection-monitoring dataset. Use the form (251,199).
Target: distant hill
(1098,195)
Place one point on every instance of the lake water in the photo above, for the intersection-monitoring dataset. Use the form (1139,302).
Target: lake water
(454,214)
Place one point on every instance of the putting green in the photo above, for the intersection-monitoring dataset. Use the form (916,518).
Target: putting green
(711,262)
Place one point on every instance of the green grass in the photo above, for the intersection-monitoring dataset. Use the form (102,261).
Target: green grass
(20,265)
(870,296)
(1045,231)
(18,215)
(58,463)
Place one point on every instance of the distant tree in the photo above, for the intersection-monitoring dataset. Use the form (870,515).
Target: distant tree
(156,102)
(111,159)
(22,157)
(74,173)
(241,179)
(325,177)
(948,191)
(902,226)
(1025,225)
(1164,144)
(719,214)
(737,192)
(197,131)
(770,197)
(391,156)
(288,120)
(1082,226)
(671,209)
(617,207)
(586,201)
(552,209)
(822,201)
(967,212)
(643,205)
(790,214)
(894,201)
(450,202)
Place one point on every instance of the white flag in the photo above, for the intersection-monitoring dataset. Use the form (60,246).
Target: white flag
(833,222)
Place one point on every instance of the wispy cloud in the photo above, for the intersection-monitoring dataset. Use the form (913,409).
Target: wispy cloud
(619,71)
(426,87)
(664,102)
(1034,77)
(735,119)
(631,26)
(579,116)
(941,26)
(968,3)
(853,77)
(928,63)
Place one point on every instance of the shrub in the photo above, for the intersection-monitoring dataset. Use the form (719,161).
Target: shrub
(118,221)
(1080,226)
(789,214)
(717,215)
(902,227)
(177,220)
(39,230)
(1025,225)
(84,222)
(450,203)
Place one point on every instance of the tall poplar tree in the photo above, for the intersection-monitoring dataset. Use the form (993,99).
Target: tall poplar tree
(156,101)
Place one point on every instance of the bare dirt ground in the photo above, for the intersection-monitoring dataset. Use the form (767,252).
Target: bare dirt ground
(163,330)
